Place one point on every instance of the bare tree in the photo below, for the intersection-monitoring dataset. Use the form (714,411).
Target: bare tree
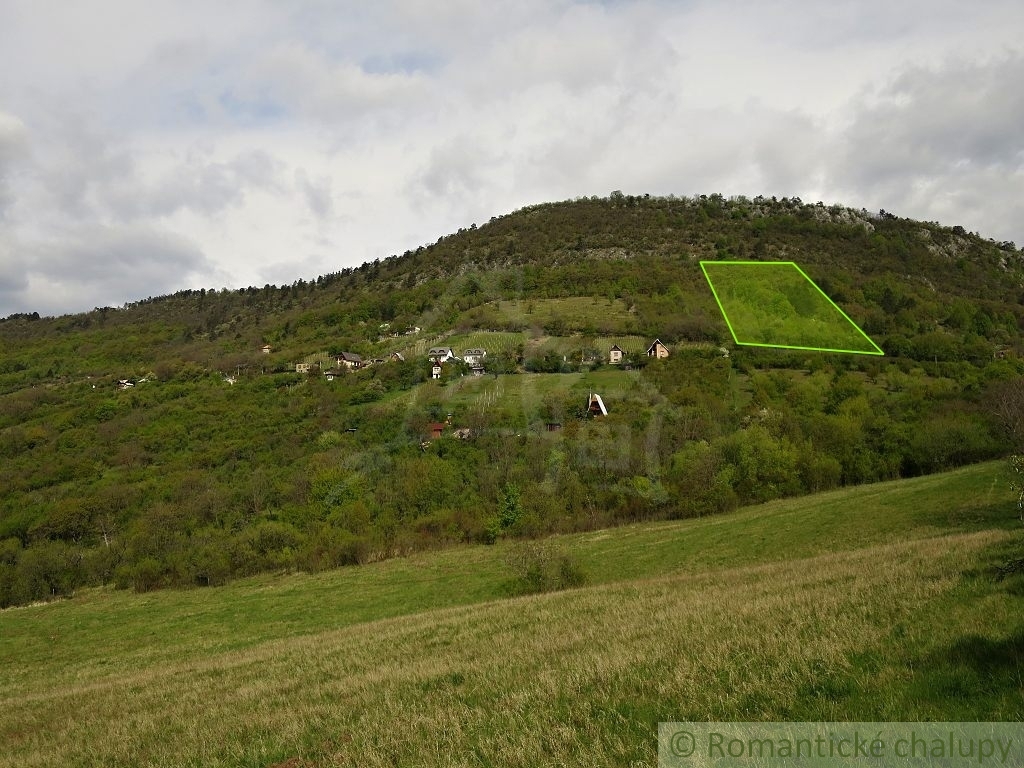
(1006,404)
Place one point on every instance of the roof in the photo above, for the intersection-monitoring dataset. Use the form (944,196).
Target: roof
(350,357)
(440,351)
(615,347)
(596,400)
(655,343)
(478,351)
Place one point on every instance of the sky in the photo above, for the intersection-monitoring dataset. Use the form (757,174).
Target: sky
(147,147)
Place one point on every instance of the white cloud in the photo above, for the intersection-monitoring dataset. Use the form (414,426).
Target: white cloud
(242,143)
(942,143)
(103,266)
(13,154)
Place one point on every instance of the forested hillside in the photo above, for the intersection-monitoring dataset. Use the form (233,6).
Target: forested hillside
(220,459)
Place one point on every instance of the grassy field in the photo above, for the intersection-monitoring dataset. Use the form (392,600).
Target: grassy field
(775,304)
(492,341)
(869,603)
(580,310)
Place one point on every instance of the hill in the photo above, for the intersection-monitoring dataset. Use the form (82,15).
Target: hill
(873,603)
(220,461)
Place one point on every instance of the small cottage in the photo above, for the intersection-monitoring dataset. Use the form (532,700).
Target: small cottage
(266,349)
(435,371)
(615,355)
(441,354)
(595,405)
(474,357)
(349,360)
(657,350)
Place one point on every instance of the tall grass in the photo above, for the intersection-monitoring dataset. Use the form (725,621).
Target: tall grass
(872,603)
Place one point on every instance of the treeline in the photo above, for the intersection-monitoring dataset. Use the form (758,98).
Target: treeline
(183,483)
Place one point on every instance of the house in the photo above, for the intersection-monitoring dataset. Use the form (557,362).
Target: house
(477,370)
(333,374)
(436,429)
(595,405)
(266,349)
(657,350)
(303,367)
(435,371)
(441,354)
(349,360)
(397,357)
(615,354)
(474,357)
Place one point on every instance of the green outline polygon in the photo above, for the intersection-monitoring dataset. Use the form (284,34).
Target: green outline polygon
(796,266)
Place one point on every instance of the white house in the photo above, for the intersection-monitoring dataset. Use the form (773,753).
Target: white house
(349,360)
(474,357)
(615,354)
(441,354)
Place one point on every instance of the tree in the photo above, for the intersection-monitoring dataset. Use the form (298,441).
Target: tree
(1016,463)
(509,505)
(1006,404)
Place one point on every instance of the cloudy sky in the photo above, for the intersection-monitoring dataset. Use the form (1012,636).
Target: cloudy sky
(151,146)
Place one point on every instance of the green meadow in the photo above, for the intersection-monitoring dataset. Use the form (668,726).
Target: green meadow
(579,310)
(875,602)
(774,304)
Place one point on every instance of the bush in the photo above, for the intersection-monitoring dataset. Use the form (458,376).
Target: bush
(330,547)
(144,576)
(541,567)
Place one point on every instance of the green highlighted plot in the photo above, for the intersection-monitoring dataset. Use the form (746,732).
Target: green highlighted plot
(775,304)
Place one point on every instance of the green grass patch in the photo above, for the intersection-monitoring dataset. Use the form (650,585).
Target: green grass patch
(492,341)
(868,603)
(775,304)
(575,311)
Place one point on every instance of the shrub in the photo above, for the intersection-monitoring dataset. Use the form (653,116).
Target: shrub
(330,547)
(541,567)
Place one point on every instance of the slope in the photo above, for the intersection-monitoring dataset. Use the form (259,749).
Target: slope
(866,603)
(185,478)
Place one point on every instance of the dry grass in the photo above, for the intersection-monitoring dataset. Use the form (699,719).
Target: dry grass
(868,603)
(574,678)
